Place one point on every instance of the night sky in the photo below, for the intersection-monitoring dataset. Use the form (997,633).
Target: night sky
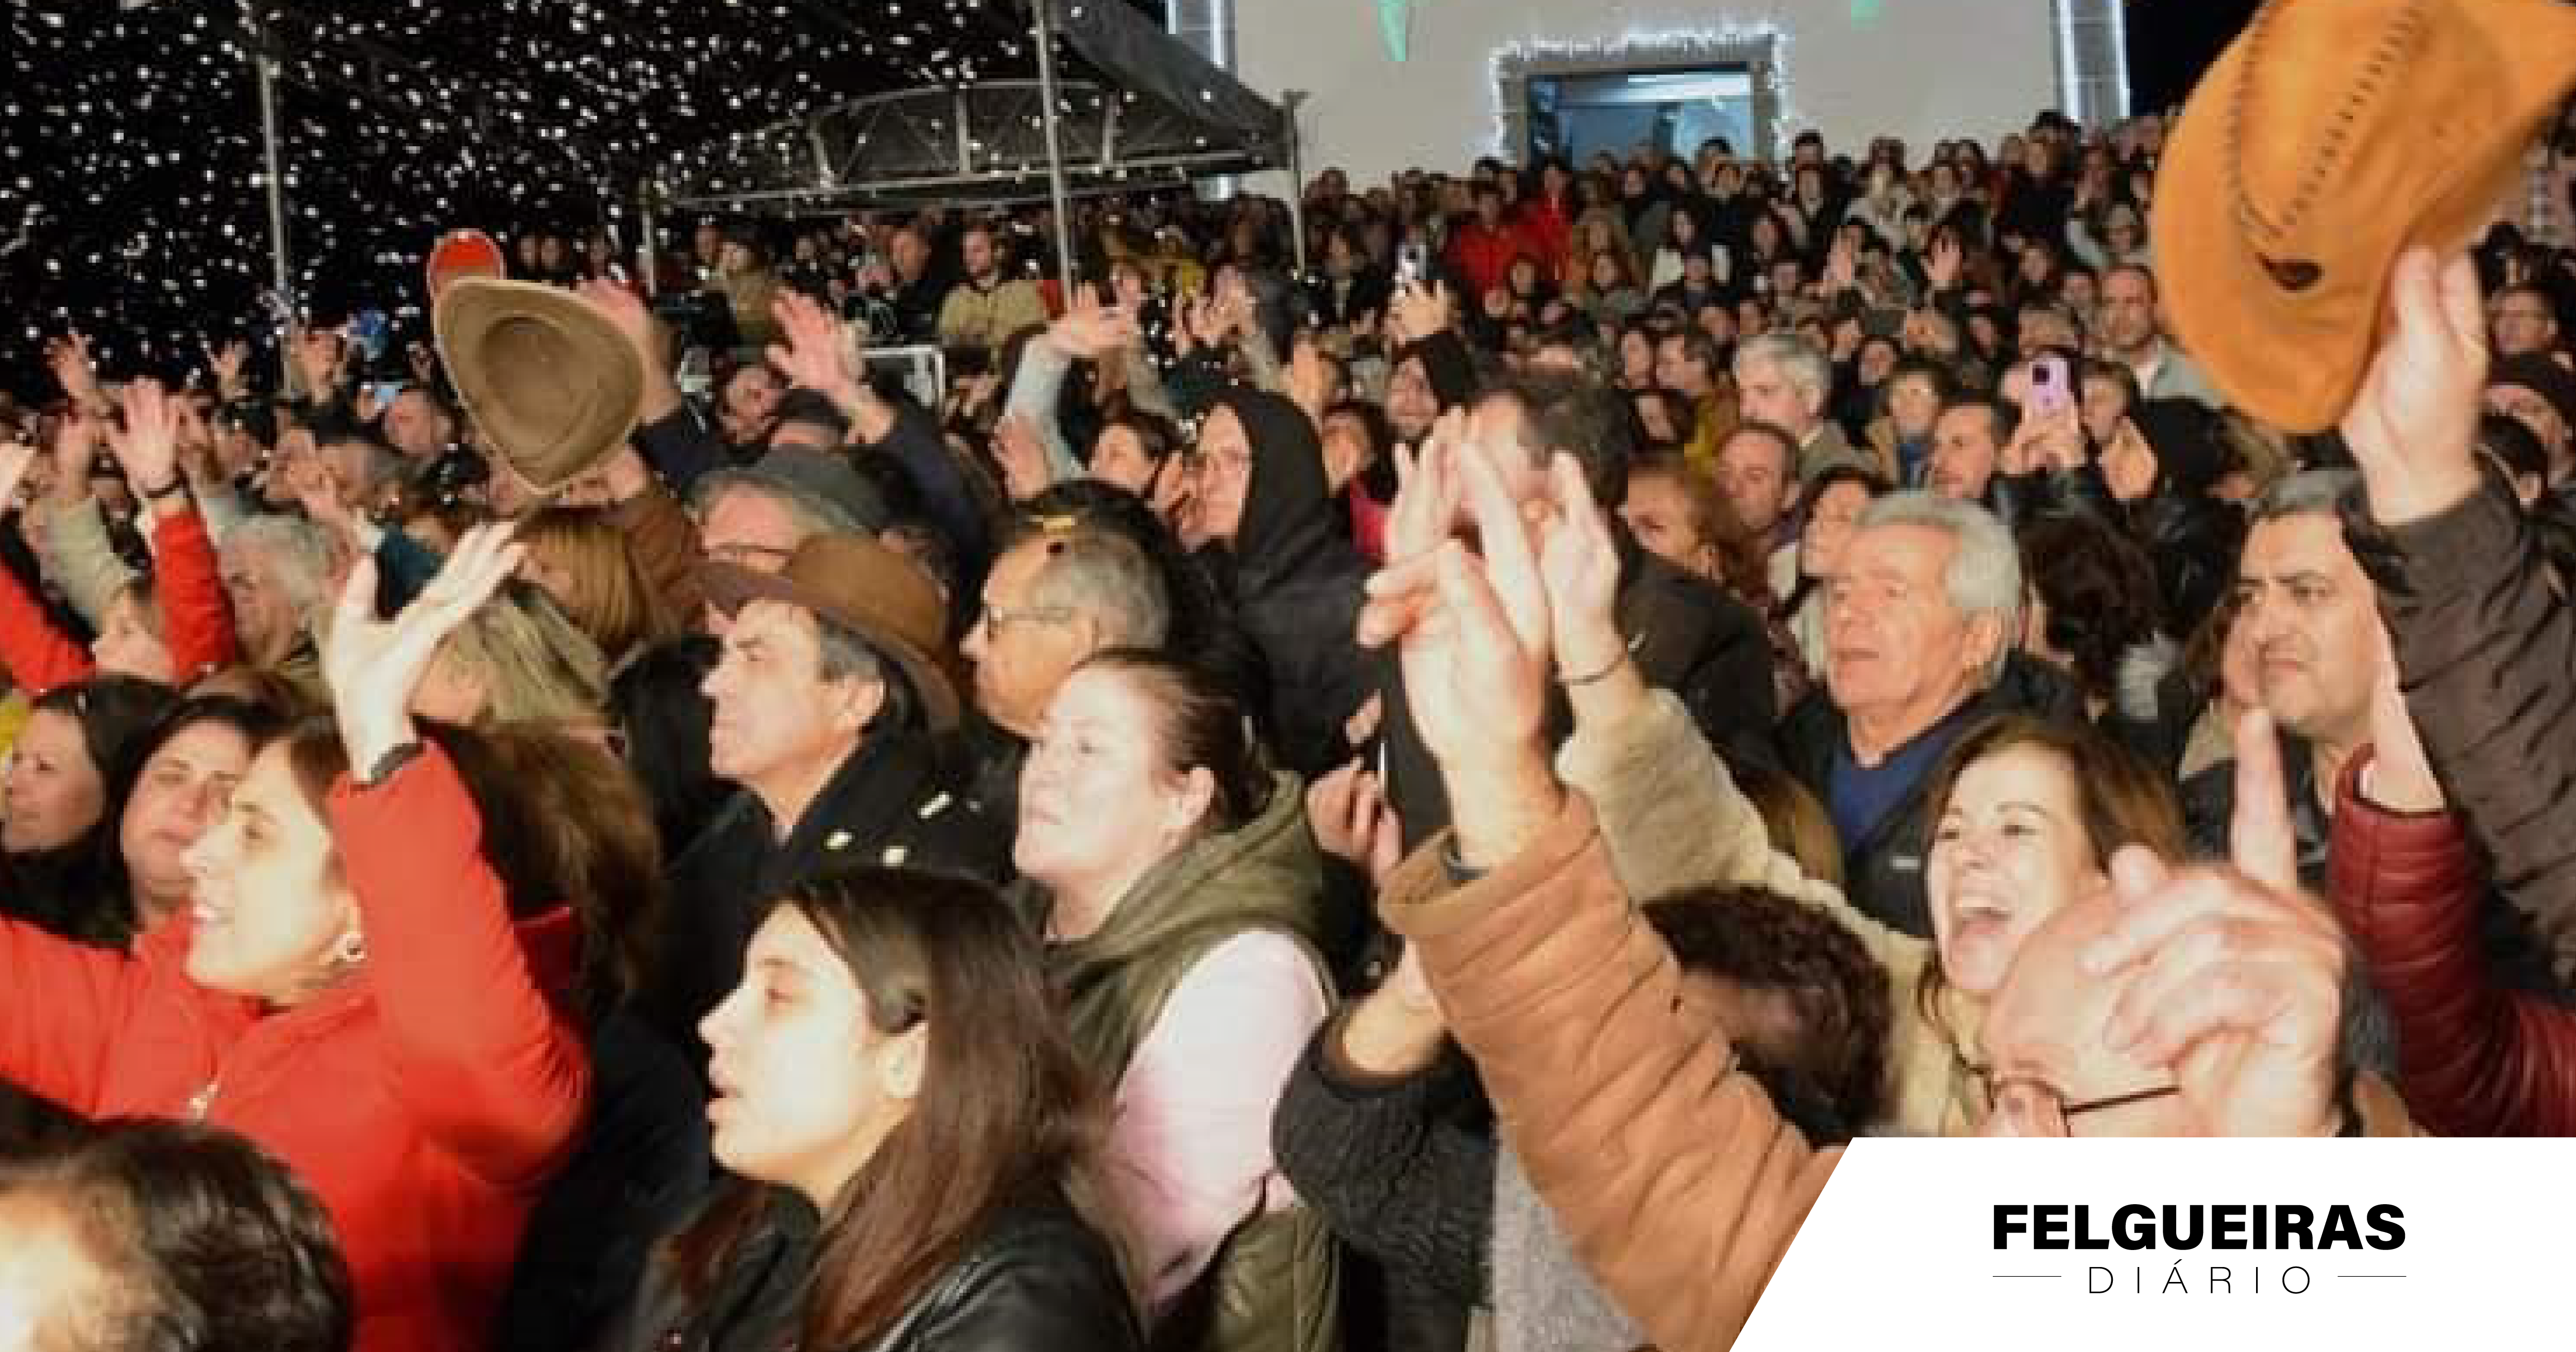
(131,203)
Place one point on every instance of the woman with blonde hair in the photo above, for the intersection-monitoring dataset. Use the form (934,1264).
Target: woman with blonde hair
(517,659)
(581,559)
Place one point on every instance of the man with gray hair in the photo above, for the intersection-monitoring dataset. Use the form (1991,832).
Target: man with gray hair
(1781,379)
(2311,618)
(1919,629)
(276,570)
(758,516)
(1061,591)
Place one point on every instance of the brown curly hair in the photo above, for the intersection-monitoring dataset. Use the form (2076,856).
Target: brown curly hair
(1771,944)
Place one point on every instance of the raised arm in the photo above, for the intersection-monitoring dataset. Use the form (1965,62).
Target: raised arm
(196,613)
(495,1071)
(1673,1175)
(38,656)
(76,552)
(2484,641)
(67,1003)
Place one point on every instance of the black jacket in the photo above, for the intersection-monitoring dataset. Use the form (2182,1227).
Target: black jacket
(2209,808)
(890,804)
(1331,307)
(2486,643)
(1294,583)
(1036,1278)
(1401,1170)
(2192,541)
(641,1167)
(1686,634)
(2020,499)
(1883,873)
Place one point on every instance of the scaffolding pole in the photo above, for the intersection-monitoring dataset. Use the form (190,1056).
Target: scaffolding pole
(265,65)
(1289,102)
(1050,117)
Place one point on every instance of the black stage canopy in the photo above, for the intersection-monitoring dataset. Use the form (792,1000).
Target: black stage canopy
(132,161)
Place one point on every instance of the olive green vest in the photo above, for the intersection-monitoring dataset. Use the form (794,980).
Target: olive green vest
(1272,1287)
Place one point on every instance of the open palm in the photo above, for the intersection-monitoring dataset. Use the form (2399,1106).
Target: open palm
(373,665)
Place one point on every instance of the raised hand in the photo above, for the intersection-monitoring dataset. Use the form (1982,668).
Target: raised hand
(229,364)
(1579,565)
(373,665)
(1089,329)
(1353,821)
(2400,775)
(2234,977)
(149,447)
(2413,425)
(1941,264)
(817,352)
(1842,267)
(1476,642)
(1429,496)
(1420,309)
(1023,458)
(632,317)
(68,358)
(317,491)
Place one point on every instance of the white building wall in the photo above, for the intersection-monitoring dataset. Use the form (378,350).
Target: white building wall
(1920,69)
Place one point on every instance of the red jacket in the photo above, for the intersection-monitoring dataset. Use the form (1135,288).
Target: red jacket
(1482,259)
(425,1102)
(2473,1057)
(1547,230)
(196,615)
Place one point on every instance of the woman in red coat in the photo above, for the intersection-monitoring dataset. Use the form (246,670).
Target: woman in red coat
(349,988)
(172,627)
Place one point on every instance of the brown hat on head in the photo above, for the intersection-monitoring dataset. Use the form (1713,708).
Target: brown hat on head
(863,587)
(549,381)
(2328,137)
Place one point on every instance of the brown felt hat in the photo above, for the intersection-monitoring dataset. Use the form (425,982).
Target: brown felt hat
(866,588)
(2331,135)
(549,381)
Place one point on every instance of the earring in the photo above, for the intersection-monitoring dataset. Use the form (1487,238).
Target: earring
(350,951)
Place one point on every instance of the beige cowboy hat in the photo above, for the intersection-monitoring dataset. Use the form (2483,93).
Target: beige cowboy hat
(2329,136)
(553,386)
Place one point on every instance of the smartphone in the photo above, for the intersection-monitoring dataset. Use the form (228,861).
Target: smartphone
(2049,391)
(1412,263)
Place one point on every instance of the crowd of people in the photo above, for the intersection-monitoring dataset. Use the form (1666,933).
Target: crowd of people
(1405,803)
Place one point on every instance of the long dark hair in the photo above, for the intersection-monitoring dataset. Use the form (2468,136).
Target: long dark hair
(563,824)
(1006,1108)
(257,723)
(77,889)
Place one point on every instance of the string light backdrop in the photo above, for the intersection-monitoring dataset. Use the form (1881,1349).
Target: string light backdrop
(131,183)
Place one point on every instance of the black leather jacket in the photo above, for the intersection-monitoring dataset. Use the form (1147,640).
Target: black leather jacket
(1036,1278)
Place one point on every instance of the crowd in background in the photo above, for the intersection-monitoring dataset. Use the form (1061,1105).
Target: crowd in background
(1403,802)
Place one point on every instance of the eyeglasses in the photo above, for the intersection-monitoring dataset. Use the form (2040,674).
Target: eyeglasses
(995,618)
(2026,1106)
(751,556)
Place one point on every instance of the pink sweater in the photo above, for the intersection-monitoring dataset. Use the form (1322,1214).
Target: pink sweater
(1190,1146)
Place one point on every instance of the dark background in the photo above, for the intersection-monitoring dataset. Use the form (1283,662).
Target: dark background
(130,205)
(2172,41)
